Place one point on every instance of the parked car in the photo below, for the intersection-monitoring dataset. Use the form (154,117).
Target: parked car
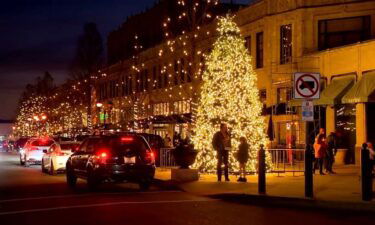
(54,159)
(32,152)
(113,158)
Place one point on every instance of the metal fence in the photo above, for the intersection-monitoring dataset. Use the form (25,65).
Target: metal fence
(283,160)
(287,160)
(166,158)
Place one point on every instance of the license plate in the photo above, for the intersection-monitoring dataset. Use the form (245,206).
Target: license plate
(129,160)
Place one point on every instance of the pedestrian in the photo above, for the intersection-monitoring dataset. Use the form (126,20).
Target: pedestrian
(320,150)
(221,143)
(330,152)
(242,157)
(167,141)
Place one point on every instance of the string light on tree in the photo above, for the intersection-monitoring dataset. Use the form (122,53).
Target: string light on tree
(229,95)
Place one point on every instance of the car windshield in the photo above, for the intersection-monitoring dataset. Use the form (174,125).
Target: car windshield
(42,142)
(22,142)
(127,144)
(69,146)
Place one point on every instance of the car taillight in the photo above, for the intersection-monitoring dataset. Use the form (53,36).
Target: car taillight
(150,157)
(103,156)
(33,148)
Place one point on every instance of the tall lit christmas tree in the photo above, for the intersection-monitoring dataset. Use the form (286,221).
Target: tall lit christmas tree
(229,95)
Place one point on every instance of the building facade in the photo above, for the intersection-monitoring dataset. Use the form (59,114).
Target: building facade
(156,90)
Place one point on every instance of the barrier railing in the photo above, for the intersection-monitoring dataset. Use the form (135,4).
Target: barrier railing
(166,158)
(287,160)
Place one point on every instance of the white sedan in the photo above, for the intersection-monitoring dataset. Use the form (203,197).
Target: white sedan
(32,151)
(54,159)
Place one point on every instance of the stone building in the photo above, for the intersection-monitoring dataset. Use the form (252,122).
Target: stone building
(332,37)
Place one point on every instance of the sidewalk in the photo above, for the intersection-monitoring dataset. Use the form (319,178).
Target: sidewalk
(343,187)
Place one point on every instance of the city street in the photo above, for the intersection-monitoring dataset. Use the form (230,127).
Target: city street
(28,196)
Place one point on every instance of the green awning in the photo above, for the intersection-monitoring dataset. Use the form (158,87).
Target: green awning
(362,91)
(334,92)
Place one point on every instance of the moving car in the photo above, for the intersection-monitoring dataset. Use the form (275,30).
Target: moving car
(54,159)
(113,158)
(32,152)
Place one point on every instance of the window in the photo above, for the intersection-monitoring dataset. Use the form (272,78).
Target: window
(130,85)
(284,94)
(285,44)
(154,81)
(166,77)
(343,31)
(182,70)
(146,80)
(160,79)
(263,95)
(259,50)
(248,43)
(123,86)
(176,75)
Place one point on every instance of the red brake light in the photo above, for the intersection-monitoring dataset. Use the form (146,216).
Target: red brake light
(103,155)
(127,139)
(150,157)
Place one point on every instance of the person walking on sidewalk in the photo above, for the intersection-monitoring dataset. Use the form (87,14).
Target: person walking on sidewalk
(242,157)
(330,152)
(320,150)
(221,143)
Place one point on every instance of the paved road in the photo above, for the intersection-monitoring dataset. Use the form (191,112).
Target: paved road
(29,197)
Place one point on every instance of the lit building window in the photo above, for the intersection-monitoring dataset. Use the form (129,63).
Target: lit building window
(259,50)
(285,44)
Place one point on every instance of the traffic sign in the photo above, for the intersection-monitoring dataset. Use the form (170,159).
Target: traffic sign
(307,111)
(306,85)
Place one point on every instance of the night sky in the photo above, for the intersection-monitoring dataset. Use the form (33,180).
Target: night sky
(40,35)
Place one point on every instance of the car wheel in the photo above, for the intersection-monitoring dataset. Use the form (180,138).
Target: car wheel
(43,168)
(71,178)
(52,169)
(26,163)
(144,185)
(22,162)
(92,180)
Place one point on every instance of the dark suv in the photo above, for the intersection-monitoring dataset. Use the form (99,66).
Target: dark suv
(115,158)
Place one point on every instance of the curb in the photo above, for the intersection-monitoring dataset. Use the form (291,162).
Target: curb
(300,203)
(166,184)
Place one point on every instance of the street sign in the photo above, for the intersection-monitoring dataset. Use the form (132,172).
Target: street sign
(307,111)
(306,85)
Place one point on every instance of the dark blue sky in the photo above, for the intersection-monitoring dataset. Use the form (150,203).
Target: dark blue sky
(40,35)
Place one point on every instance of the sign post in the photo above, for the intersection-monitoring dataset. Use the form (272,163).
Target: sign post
(306,86)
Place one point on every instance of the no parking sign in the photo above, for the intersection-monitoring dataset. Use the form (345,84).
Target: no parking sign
(306,85)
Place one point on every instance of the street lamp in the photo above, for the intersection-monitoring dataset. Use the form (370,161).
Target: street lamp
(99,104)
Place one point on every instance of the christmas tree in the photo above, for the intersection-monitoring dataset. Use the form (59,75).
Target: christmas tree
(229,95)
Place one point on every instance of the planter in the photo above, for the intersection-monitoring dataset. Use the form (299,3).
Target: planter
(184,155)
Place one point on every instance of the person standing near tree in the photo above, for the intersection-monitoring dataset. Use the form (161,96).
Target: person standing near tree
(330,152)
(320,147)
(243,157)
(221,143)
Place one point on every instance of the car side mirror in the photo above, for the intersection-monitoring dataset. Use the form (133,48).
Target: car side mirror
(44,151)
